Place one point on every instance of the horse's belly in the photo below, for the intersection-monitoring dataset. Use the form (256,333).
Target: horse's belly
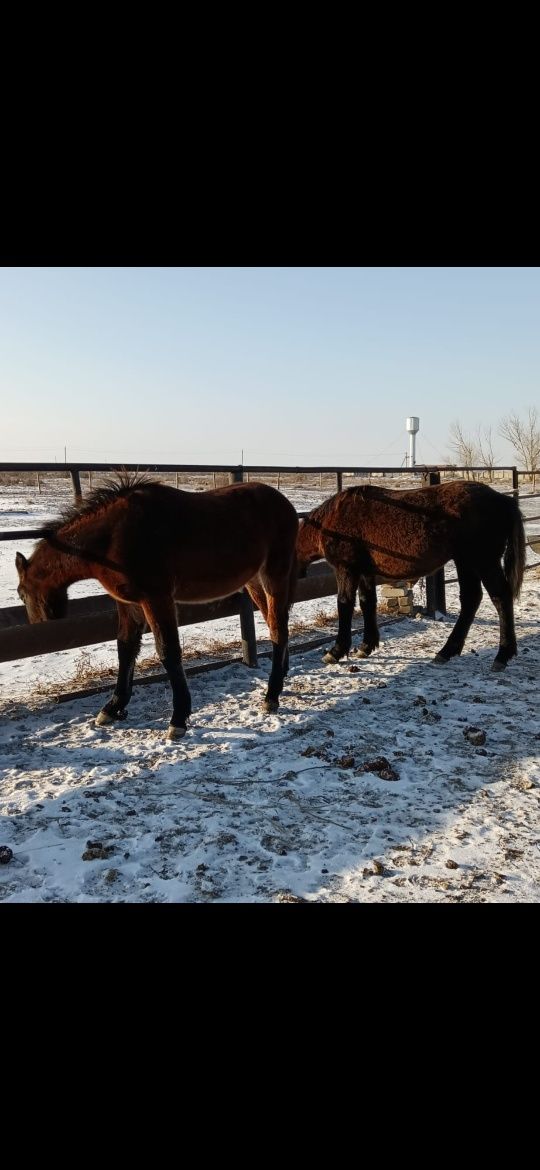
(199,590)
(405,567)
(409,581)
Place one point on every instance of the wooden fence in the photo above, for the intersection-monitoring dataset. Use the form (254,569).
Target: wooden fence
(93,619)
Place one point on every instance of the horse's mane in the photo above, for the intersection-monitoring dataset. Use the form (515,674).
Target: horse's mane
(111,490)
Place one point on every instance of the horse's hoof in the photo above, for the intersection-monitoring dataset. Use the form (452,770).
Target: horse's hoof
(176,732)
(498,666)
(103,719)
(361,653)
(439,660)
(330,659)
(271,706)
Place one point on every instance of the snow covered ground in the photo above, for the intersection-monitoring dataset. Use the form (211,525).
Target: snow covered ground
(385,780)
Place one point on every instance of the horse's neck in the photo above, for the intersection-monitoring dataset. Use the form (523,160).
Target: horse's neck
(58,564)
(309,541)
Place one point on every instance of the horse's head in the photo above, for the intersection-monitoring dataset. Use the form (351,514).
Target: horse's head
(42,601)
(307,544)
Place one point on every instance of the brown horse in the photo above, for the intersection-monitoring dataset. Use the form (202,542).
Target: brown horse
(149,544)
(372,534)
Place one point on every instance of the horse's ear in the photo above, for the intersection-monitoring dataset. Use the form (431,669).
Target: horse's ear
(21,564)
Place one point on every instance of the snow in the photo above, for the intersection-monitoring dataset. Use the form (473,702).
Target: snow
(251,807)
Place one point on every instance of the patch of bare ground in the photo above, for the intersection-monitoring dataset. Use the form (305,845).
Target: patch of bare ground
(87,674)
(321,620)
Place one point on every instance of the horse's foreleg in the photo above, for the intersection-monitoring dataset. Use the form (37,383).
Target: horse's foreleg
(470,596)
(368,605)
(347,584)
(278,625)
(160,614)
(501,596)
(130,630)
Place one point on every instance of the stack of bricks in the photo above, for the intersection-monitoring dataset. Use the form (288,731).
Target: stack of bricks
(398,599)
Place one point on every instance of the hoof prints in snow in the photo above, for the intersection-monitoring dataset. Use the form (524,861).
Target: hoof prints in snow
(288,807)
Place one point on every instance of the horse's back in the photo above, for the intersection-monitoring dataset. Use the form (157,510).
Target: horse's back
(229,503)
(451,497)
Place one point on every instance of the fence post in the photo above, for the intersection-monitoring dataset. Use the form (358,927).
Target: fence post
(435,590)
(339,479)
(247,630)
(515,480)
(237,475)
(76,481)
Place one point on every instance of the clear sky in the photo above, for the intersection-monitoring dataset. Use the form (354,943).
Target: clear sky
(287,365)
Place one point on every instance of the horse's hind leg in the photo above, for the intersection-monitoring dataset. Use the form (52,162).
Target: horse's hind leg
(256,591)
(368,605)
(347,584)
(160,614)
(501,596)
(261,599)
(278,624)
(130,630)
(258,596)
(470,596)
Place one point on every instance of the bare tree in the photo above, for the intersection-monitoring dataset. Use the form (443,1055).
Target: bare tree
(485,449)
(524,437)
(464,447)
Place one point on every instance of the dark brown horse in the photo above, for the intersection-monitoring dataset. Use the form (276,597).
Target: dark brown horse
(372,534)
(149,544)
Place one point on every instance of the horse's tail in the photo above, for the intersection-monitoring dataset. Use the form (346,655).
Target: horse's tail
(514,556)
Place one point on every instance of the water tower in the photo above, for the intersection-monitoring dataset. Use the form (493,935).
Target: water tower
(413,426)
